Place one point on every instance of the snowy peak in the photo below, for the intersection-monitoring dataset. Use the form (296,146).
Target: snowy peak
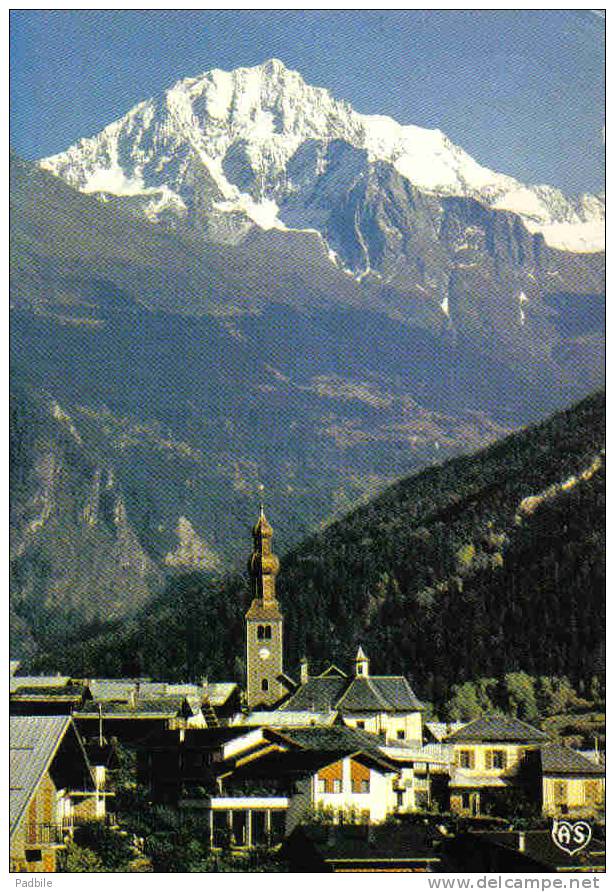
(241,146)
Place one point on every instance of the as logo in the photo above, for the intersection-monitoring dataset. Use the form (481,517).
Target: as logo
(571,838)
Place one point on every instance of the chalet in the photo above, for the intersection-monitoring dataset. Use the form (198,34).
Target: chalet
(492,755)
(52,789)
(266,782)
(572,784)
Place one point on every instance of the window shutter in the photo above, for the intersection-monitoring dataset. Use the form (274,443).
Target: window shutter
(504,756)
(489,759)
(472,758)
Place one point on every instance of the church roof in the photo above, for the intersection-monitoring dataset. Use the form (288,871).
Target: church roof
(379,693)
(373,693)
(319,694)
(497,728)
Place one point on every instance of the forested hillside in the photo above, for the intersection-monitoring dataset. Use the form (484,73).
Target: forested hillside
(485,565)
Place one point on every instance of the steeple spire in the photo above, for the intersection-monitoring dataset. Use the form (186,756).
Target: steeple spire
(361,663)
(263,564)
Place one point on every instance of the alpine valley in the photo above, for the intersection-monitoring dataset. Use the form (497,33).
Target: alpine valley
(244,281)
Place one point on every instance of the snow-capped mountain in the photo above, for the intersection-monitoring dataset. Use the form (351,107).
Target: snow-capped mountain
(228,151)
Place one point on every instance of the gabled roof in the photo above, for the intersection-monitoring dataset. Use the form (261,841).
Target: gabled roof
(319,694)
(557,759)
(336,739)
(492,728)
(333,670)
(297,763)
(33,741)
(379,693)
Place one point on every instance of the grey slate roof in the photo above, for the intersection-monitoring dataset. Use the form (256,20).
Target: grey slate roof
(557,759)
(490,728)
(33,741)
(336,739)
(374,693)
(379,693)
(319,694)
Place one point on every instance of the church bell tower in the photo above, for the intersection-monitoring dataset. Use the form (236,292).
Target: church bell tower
(264,622)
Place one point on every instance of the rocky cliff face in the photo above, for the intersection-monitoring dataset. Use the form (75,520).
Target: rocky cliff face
(76,559)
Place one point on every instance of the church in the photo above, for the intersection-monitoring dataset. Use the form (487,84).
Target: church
(381,704)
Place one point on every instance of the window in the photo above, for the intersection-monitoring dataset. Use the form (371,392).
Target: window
(361,725)
(495,759)
(560,792)
(267,632)
(264,685)
(364,786)
(337,786)
(321,785)
(260,633)
(401,735)
(465,800)
(465,758)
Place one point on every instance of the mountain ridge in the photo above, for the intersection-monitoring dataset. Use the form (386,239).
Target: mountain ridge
(240,144)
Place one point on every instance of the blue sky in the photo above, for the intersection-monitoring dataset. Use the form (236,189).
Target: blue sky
(522,91)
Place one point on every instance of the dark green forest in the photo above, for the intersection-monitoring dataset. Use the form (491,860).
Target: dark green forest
(449,576)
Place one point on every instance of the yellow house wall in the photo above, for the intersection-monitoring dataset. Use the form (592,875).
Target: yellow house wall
(514,755)
(576,800)
(376,723)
